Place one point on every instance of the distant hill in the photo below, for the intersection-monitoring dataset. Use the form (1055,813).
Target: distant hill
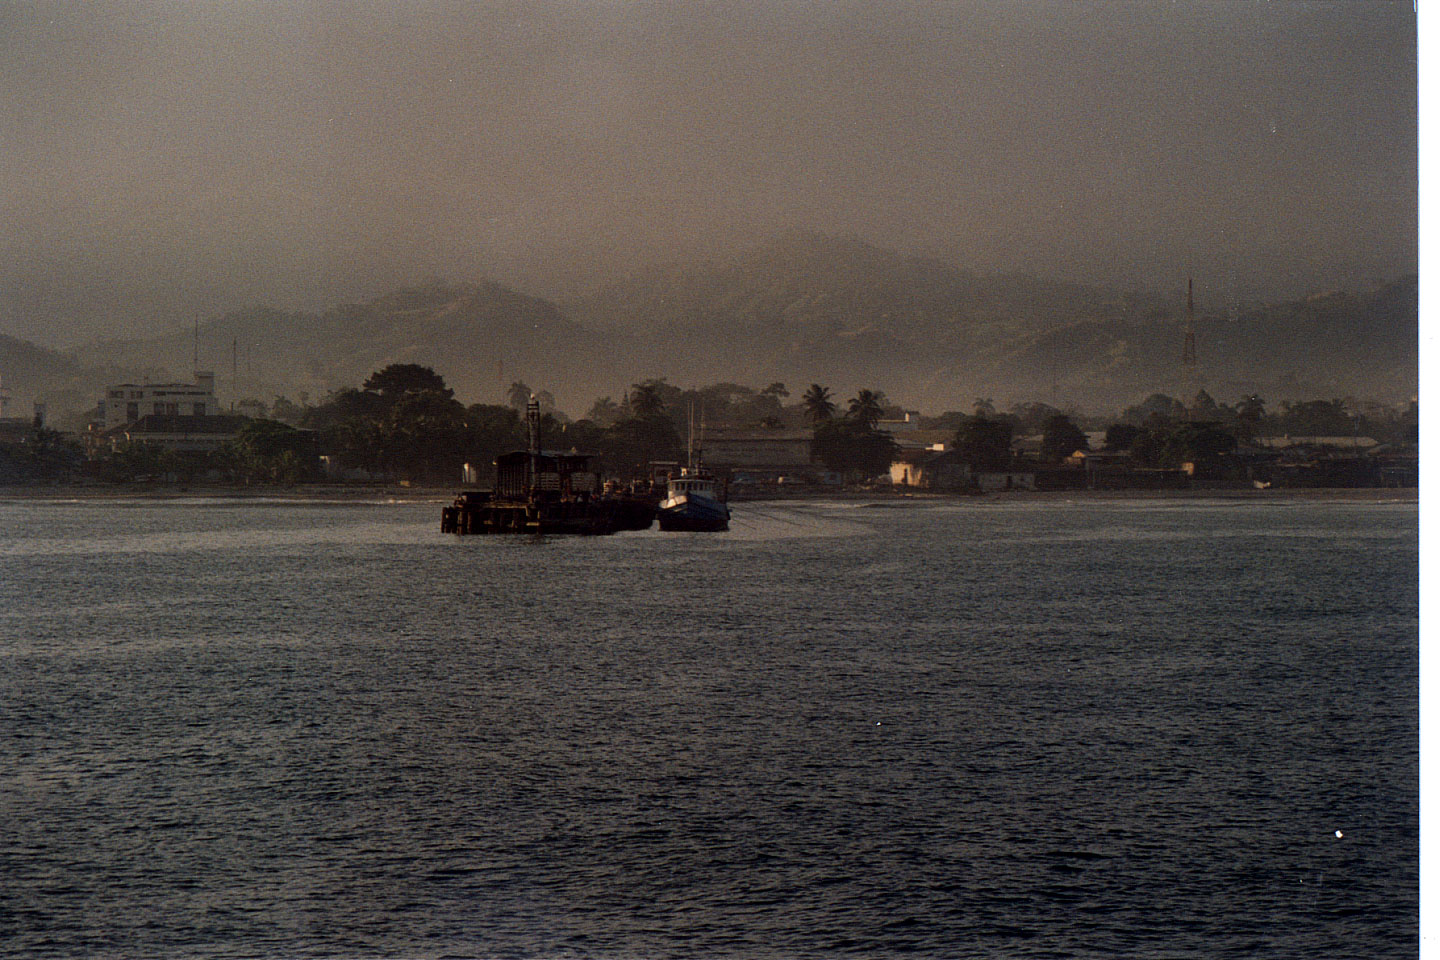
(801,309)
(33,373)
(804,287)
(479,336)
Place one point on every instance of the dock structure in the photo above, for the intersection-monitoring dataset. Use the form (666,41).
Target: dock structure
(544,491)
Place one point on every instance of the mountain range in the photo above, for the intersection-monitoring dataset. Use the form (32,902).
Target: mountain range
(803,308)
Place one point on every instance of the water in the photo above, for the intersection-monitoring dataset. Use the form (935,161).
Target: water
(965,729)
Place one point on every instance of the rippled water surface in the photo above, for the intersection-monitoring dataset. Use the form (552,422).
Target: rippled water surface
(964,729)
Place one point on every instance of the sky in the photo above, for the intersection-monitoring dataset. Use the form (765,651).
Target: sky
(162,163)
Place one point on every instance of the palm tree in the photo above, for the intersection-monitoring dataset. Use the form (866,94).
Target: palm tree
(645,399)
(818,405)
(984,407)
(776,390)
(866,407)
(604,411)
(519,395)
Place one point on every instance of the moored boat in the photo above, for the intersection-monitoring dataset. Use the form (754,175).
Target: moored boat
(692,504)
(692,500)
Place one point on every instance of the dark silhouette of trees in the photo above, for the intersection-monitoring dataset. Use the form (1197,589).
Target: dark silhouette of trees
(1178,442)
(519,395)
(1157,405)
(605,412)
(1316,418)
(776,390)
(422,437)
(985,443)
(1062,438)
(646,400)
(1032,416)
(268,451)
(819,407)
(629,447)
(1204,407)
(399,379)
(44,455)
(854,448)
(867,407)
(1251,409)
(1121,436)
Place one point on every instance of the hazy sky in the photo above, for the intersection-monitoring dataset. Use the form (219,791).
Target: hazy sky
(161,160)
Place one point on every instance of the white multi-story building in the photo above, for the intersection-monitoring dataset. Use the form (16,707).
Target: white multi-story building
(128,402)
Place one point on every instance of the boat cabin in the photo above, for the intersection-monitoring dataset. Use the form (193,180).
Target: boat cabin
(692,484)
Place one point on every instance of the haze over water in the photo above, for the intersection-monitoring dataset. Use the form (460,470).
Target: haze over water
(964,729)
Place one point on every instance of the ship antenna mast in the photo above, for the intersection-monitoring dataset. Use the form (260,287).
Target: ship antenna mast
(1187,353)
(532,423)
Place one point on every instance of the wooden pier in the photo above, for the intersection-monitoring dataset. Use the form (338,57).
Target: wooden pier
(545,491)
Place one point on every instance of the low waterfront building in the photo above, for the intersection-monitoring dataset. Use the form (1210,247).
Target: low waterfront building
(184,434)
(759,453)
(909,421)
(997,480)
(930,469)
(1103,469)
(1317,444)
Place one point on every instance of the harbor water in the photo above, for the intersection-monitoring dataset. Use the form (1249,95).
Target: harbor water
(944,728)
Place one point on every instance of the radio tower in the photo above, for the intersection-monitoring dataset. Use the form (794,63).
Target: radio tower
(1187,353)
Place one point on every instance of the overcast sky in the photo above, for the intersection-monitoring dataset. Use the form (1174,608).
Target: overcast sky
(167,159)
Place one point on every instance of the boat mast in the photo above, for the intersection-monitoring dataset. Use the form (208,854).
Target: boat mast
(690,445)
(700,451)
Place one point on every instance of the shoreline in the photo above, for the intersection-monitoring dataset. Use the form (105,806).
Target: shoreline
(301,493)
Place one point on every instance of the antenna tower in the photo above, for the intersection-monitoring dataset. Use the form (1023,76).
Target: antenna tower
(1187,353)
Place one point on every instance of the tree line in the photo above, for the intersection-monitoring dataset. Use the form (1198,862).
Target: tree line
(404,423)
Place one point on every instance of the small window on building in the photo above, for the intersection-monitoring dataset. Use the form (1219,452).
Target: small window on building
(132,411)
(199,409)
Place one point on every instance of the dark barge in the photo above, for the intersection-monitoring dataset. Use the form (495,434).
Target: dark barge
(545,491)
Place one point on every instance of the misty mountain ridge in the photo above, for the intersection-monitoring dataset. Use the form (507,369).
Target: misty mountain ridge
(810,283)
(476,335)
(802,308)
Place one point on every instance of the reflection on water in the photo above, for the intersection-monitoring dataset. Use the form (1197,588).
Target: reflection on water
(949,728)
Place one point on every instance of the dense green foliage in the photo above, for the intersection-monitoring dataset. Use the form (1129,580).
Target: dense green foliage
(43,456)
(853,448)
(1062,438)
(984,442)
(404,423)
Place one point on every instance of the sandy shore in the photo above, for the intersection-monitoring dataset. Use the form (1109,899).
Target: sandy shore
(162,491)
(418,494)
